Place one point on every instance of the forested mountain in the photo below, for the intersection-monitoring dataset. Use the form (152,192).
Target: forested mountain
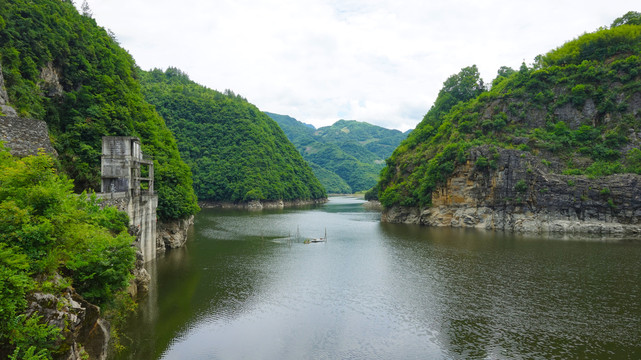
(59,66)
(58,250)
(236,152)
(575,112)
(346,156)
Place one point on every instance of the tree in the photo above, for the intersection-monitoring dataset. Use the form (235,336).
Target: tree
(464,86)
(630,18)
(86,10)
(503,73)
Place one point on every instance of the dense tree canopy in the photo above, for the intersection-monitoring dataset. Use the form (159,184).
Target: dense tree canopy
(61,67)
(235,151)
(630,18)
(465,85)
(47,230)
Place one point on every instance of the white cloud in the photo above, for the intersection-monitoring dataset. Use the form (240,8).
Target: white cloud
(380,61)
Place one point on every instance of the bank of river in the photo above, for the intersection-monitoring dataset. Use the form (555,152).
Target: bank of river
(243,288)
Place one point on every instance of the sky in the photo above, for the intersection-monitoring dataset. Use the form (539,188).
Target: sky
(319,61)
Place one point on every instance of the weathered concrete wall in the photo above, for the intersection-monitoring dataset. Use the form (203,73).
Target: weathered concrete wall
(25,136)
(142,218)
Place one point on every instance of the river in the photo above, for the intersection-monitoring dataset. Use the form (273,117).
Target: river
(246,286)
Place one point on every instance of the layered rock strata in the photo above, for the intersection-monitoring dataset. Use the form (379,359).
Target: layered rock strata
(172,234)
(521,193)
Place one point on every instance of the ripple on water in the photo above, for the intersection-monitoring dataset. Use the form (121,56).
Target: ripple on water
(380,291)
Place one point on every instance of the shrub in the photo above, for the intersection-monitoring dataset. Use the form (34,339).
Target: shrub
(46,229)
(633,161)
(481,163)
(521,186)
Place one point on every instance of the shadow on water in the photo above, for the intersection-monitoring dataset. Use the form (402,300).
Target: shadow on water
(377,291)
(505,295)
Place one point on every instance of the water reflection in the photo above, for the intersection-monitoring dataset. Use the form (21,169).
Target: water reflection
(242,289)
(506,296)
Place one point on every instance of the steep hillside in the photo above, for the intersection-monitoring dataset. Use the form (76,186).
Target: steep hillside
(575,116)
(377,140)
(55,246)
(59,66)
(235,151)
(353,151)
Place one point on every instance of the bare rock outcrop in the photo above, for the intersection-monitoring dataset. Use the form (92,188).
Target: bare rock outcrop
(5,108)
(172,234)
(85,333)
(260,205)
(50,84)
(522,194)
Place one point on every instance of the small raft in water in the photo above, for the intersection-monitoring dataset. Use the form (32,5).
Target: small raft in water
(317,240)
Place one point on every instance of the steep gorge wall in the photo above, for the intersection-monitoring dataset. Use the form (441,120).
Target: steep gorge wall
(522,194)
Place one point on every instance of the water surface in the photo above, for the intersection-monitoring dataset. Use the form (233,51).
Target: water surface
(247,287)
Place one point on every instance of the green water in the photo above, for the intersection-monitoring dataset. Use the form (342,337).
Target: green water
(241,289)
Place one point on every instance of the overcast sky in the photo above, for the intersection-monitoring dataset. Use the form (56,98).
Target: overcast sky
(380,61)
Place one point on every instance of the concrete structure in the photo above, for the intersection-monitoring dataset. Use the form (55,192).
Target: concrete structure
(128,184)
(122,165)
(24,136)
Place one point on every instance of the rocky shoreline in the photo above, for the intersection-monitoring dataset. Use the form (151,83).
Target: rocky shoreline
(523,195)
(259,205)
(172,234)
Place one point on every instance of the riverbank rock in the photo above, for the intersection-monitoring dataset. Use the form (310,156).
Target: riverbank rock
(523,194)
(374,205)
(86,335)
(172,234)
(139,285)
(259,205)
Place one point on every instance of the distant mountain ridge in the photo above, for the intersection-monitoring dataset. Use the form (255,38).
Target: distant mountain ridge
(347,156)
(236,153)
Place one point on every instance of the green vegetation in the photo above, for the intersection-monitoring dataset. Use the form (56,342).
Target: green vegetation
(91,91)
(236,152)
(64,239)
(333,183)
(521,186)
(577,106)
(351,153)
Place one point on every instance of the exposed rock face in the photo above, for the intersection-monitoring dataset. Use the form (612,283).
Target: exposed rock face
(139,285)
(50,84)
(172,234)
(84,331)
(373,205)
(260,205)
(4,98)
(522,195)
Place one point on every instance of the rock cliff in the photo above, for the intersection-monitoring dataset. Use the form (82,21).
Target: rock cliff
(86,335)
(521,193)
(5,108)
(172,234)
